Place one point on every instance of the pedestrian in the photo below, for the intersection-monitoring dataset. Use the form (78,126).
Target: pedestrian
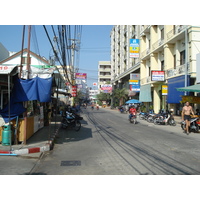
(186,112)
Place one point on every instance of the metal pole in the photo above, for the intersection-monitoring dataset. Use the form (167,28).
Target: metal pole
(186,57)
(9,109)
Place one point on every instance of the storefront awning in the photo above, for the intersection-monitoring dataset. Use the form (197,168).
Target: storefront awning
(12,70)
(145,93)
(192,88)
(175,96)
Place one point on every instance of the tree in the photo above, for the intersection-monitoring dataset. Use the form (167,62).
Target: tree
(104,97)
(120,94)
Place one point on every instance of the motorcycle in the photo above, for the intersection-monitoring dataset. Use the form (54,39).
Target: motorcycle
(143,115)
(71,120)
(194,125)
(133,119)
(121,109)
(165,118)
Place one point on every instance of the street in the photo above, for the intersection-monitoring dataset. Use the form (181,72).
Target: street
(108,144)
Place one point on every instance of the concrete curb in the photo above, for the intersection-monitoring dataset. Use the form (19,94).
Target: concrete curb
(47,147)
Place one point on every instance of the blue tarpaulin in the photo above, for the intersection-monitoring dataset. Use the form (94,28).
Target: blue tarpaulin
(32,89)
(26,90)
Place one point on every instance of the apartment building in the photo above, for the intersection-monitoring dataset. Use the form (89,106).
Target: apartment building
(104,73)
(122,64)
(167,60)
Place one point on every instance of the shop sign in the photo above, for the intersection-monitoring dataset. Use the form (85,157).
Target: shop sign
(134,76)
(134,48)
(134,82)
(164,90)
(191,99)
(157,75)
(81,76)
(74,91)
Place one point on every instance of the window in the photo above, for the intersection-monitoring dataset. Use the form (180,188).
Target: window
(162,65)
(174,61)
(182,57)
(162,34)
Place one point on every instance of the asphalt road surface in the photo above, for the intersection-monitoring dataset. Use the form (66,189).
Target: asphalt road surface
(108,144)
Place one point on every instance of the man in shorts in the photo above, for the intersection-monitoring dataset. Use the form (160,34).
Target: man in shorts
(187,110)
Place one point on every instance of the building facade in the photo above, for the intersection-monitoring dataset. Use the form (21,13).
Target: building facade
(122,65)
(168,54)
(167,60)
(104,73)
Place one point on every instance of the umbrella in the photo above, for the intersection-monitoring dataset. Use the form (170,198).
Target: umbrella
(133,101)
(192,88)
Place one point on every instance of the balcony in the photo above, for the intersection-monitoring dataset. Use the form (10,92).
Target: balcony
(175,31)
(145,80)
(145,53)
(179,70)
(158,43)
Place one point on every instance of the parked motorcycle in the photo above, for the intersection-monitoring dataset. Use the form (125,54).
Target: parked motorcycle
(71,120)
(194,125)
(143,115)
(165,118)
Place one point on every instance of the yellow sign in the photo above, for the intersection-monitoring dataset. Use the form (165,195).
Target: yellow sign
(190,99)
(164,89)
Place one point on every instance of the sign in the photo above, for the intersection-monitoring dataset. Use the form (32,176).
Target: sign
(134,48)
(191,99)
(135,88)
(164,90)
(106,88)
(134,82)
(134,76)
(6,69)
(74,91)
(94,84)
(81,76)
(157,75)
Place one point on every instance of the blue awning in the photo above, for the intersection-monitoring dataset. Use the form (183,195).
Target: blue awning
(145,93)
(174,96)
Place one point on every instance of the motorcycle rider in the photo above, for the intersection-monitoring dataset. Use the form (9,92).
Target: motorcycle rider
(187,110)
(132,112)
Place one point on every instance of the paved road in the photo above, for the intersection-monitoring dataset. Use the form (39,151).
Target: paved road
(108,144)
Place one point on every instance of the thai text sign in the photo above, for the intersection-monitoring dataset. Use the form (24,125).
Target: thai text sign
(81,76)
(106,88)
(157,75)
(164,90)
(134,48)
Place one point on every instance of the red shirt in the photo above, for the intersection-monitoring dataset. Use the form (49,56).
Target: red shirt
(132,111)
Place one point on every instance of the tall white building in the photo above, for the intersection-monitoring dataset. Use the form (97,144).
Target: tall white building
(104,73)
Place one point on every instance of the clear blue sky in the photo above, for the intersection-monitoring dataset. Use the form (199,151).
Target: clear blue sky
(95,45)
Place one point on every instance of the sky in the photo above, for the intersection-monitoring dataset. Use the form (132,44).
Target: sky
(94,47)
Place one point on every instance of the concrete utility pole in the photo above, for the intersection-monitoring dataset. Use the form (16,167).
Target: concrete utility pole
(186,57)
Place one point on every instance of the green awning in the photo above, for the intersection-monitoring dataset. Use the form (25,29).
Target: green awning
(145,93)
(192,88)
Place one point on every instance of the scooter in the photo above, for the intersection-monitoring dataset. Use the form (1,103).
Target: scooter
(194,125)
(133,119)
(71,120)
(165,118)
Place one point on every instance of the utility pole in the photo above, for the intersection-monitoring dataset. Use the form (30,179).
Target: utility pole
(73,48)
(186,58)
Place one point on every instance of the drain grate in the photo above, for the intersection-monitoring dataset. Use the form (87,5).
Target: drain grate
(71,163)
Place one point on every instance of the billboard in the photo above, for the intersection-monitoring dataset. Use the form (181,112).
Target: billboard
(106,88)
(157,75)
(164,90)
(81,76)
(134,48)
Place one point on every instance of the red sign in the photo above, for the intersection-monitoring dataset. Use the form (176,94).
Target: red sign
(74,91)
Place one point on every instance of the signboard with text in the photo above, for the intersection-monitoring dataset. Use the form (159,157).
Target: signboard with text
(134,48)
(157,75)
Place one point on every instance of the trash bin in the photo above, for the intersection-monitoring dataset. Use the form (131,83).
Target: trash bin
(6,135)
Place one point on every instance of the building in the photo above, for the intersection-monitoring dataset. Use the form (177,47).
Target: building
(4,53)
(168,60)
(122,64)
(104,73)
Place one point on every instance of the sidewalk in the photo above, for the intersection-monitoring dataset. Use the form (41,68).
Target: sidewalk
(41,141)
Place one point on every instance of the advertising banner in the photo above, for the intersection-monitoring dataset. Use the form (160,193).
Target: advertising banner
(134,48)
(157,75)
(106,88)
(81,76)
(134,82)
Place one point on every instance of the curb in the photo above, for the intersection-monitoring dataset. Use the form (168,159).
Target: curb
(47,147)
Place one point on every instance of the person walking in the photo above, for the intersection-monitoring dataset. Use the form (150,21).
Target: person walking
(186,112)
